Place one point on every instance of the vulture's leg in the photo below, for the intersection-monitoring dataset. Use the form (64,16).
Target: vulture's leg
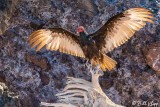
(88,65)
(94,70)
(98,71)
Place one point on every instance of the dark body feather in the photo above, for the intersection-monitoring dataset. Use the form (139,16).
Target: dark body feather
(88,46)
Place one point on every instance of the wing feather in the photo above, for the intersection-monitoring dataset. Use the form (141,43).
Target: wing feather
(38,41)
(56,39)
(121,27)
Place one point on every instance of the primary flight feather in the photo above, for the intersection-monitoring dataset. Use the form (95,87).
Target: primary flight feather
(116,31)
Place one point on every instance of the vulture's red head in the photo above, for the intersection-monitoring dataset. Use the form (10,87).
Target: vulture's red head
(80,29)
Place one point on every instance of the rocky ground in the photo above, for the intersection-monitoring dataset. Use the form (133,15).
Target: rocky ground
(37,77)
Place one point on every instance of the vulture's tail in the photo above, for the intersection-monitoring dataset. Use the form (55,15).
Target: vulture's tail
(105,63)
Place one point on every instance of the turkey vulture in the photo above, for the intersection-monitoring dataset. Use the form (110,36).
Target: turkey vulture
(116,31)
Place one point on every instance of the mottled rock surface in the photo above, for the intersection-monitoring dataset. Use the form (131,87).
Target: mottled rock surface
(7,98)
(39,61)
(7,9)
(131,80)
(152,53)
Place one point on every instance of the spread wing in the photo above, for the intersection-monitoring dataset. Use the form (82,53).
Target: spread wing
(121,27)
(56,39)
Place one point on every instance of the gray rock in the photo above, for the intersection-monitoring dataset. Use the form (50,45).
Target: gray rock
(7,8)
